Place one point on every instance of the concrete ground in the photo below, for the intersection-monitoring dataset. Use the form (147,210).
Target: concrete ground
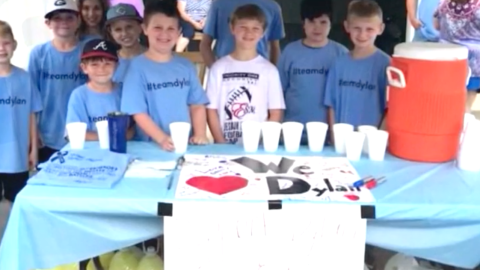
(381,256)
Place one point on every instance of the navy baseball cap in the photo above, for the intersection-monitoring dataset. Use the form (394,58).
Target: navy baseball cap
(100,48)
(122,11)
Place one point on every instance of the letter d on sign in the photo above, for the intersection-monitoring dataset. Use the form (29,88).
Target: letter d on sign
(298,185)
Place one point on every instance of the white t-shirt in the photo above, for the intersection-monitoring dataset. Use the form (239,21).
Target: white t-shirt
(243,91)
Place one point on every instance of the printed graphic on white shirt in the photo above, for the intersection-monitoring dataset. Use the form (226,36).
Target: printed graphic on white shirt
(239,103)
(243,91)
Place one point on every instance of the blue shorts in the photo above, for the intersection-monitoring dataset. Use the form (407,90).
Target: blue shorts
(473,84)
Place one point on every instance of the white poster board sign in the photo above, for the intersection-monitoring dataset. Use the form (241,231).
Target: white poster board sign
(221,221)
(247,236)
(269,177)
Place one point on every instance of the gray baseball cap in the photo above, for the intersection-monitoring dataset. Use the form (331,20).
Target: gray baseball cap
(122,11)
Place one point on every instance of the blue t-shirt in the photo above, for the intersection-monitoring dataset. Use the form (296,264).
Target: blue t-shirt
(303,72)
(164,91)
(19,98)
(55,74)
(217,25)
(121,71)
(89,107)
(356,89)
(425,12)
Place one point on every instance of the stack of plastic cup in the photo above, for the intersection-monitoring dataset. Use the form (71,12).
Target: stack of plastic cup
(365,129)
(102,131)
(251,132)
(316,133)
(180,134)
(76,134)
(271,136)
(292,136)
(340,134)
(354,144)
(377,145)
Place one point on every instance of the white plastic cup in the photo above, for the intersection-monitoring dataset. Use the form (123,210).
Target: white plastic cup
(469,153)
(251,132)
(180,133)
(354,144)
(292,136)
(377,144)
(340,133)
(365,129)
(271,135)
(76,132)
(103,136)
(467,118)
(316,133)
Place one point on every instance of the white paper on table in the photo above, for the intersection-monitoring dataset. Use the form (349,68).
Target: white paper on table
(146,169)
(247,236)
(157,165)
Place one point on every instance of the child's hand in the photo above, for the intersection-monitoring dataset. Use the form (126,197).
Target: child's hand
(167,144)
(199,140)
(33,159)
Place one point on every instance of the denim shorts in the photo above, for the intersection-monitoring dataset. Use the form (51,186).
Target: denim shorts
(188,31)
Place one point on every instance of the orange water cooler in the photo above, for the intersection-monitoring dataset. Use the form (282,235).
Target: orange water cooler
(426,106)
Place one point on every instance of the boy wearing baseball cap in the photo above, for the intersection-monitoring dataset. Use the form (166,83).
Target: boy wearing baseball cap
(93,101)
(55,70)
(124,26)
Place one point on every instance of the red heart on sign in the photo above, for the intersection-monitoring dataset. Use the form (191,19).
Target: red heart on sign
(352,197)
(220,186)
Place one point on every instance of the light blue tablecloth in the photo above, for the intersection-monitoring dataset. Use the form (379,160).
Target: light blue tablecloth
(426,210)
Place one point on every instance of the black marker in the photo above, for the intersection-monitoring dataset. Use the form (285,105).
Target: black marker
(178,166)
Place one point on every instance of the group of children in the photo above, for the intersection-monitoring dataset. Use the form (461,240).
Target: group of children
(71,79)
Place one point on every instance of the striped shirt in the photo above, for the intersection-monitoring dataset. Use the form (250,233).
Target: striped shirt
(197,9)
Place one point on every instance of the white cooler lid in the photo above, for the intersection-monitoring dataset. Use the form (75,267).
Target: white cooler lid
(431,51)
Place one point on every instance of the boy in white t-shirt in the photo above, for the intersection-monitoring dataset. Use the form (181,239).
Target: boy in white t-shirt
(243,86)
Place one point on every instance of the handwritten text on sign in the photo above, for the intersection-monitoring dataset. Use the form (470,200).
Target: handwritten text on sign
(264,177)
(219,236)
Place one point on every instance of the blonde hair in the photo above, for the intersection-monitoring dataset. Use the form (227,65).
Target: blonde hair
(249,12)
(6,29)
(364,9)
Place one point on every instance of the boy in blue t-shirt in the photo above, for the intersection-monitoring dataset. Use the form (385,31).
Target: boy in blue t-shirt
(93,101)
(19,101)
(217,27)
(160,87)
(55,70)
(305,63)
(357,84)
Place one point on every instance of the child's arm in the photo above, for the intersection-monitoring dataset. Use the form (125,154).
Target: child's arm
(276,33)
(276,101)
(214,125)
(33,154)
(412,13)
(145,122)
(197,100)
(284,69)
(210,33)
(330,98)
(214,95)
(36,106)
(199,124)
